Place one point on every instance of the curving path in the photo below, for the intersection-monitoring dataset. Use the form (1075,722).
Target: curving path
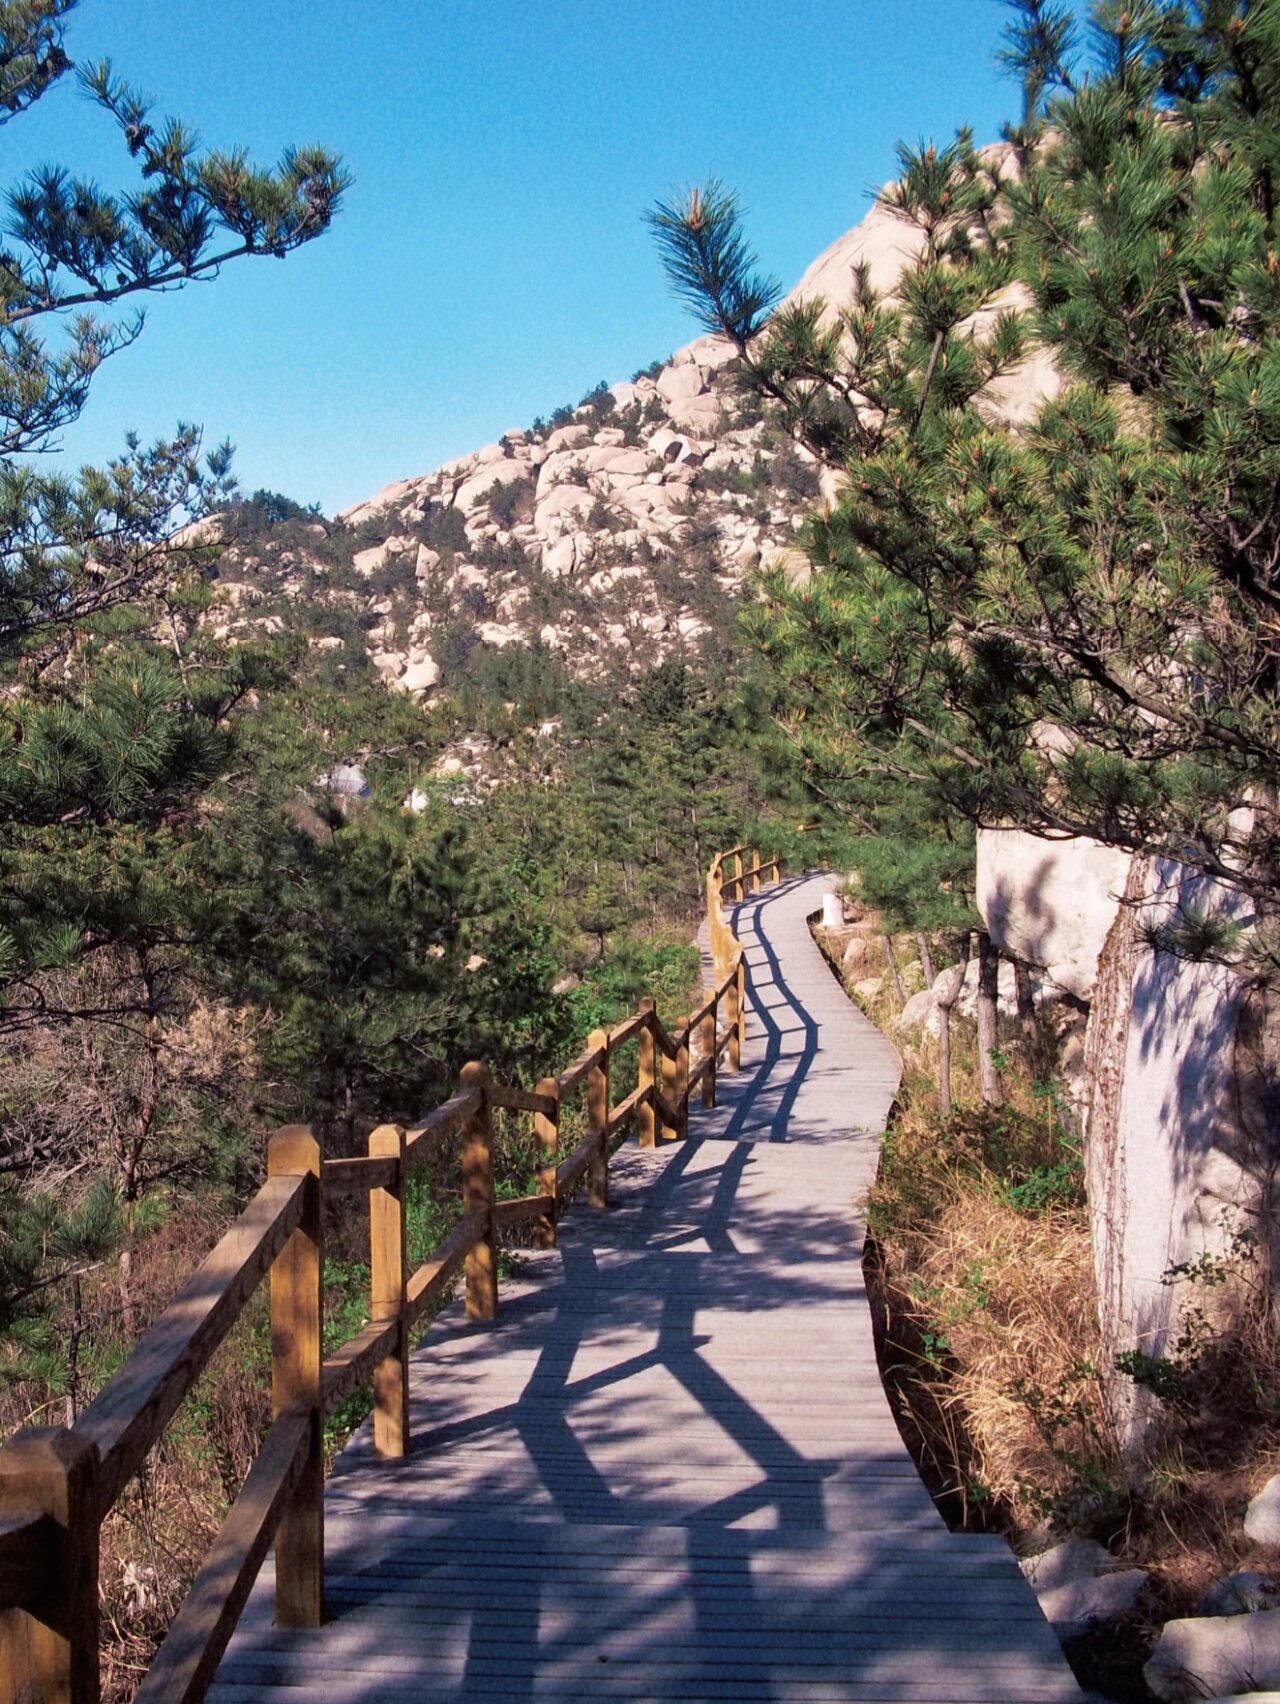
(668,1470)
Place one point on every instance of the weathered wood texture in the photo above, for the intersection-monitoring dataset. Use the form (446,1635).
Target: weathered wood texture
(667,1470)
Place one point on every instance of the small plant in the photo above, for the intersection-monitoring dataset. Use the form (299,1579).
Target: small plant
(1221,1358)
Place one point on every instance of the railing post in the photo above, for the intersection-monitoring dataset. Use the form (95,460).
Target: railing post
(645,1080)
(709,1055)
(597,1121)
(297,1277)
(50,1655)
(681,1100)
(755,870)
(740,1005)
(546,1129)
(477,1191)
(732,1008)
(388,1272)
(670,1078)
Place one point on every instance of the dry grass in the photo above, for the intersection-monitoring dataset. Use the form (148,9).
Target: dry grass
(986,1280)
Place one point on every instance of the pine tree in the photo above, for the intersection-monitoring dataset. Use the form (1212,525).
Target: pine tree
(116,711)
(1070,626)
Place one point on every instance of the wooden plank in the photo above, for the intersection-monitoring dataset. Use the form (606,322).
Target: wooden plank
(597,1124)
(669,1101)
(478,1195)
(572,1167)
(666,1042)
(546,1133)
(27,1571)
(569,1079)
(627,1030)
(128,1415)
(364,1172)
(388,1274)
(627,1109)
(666,1112)
(202,1629)
(352,1363)
(437,1126)
(646,1075)
(710,1055)
(444,1262)
(523,1208)
(297,1326)
(515,1099)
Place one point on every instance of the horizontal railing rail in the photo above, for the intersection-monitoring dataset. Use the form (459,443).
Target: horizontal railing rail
(57,1486)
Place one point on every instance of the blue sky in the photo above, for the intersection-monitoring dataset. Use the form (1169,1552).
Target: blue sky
(490,261)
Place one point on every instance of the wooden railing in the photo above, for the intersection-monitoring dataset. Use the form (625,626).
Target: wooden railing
(57,1486)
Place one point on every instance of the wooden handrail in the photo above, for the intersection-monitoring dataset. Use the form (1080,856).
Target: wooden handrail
(441,1123)
(582,1066)
(56,1486)
(202,1629)
(516,1099)
(128,1415)
(364,1172)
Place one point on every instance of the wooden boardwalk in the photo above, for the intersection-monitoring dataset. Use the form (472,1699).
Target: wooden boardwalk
(668,1470)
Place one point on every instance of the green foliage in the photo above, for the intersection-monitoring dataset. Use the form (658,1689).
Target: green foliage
(1108,572)
(709,264)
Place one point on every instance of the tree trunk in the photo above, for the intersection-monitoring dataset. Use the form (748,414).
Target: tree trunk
(893,968)
(1027,1016)
(948,994)
(926,958)
(73,1351)
(988,1036)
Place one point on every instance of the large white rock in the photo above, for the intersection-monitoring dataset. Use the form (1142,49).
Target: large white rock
(560,559)
(421,677)
(887,245)
(561,506)
(369,561)
(567,438)
(1175,1123)
(474,492)
(698,414)
(681,383)
(710,352)
(1050,902)
(1262,1518)
(387,498)
(498,634)
(1200,1656)
(616,461)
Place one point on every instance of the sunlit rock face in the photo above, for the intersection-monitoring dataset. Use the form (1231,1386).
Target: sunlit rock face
(1176,1097)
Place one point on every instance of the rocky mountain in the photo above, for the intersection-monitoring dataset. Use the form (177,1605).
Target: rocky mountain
(614,535)
(617,533)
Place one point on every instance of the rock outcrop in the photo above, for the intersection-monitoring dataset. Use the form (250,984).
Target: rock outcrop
(1175,1092)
